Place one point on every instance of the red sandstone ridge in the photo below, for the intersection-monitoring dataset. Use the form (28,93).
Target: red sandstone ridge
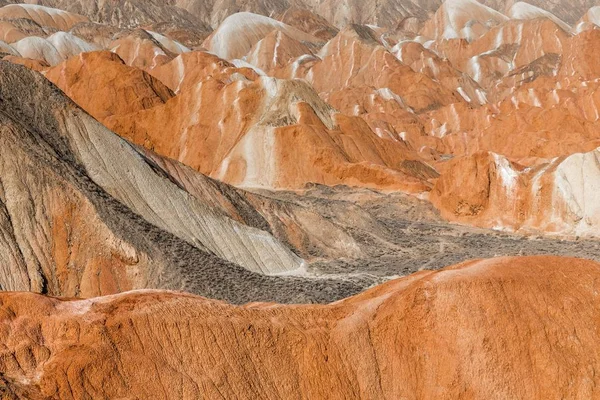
(189,69)
(450,334)
(355,59)
(252,144)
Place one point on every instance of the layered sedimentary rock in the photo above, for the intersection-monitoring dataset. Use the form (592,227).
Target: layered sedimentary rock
(523,10)
(355,59)
(259,153)
(206,14)
(396,106)
(383,108)
(448,333)
(569,12)
(275,51)
(126,14)
(52,50)
(86,214)
(289,112)
(189,69)
(44,16)
(142,50)
(308,22)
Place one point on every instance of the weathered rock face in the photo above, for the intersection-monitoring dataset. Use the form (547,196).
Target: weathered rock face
(210,13)
(258,150)
(570,12)
(308,22)
(126,14)
(462,19)
(86,214)
(523,11)
(141,49)
(190,69)
(443,331)
(355,59)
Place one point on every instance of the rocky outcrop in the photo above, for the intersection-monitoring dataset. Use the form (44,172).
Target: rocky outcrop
(556,197)
(258,149)
(387,107)
(308,22)
(259,152)
(523,10)
(189,69)
(355,59)
(142,50)
(570,12)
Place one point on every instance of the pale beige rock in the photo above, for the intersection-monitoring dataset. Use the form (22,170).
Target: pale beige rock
(556,197)
(461,19)
(238,33)
(44,16)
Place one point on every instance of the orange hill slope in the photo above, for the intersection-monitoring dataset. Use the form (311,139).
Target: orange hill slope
(499,328)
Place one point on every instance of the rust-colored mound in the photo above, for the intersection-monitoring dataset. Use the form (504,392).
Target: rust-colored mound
(9,33)
(275,51)
(104,86)
(35,65)
(355,59)
(499,328)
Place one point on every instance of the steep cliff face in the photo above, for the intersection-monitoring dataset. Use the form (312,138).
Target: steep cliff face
(449,333)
